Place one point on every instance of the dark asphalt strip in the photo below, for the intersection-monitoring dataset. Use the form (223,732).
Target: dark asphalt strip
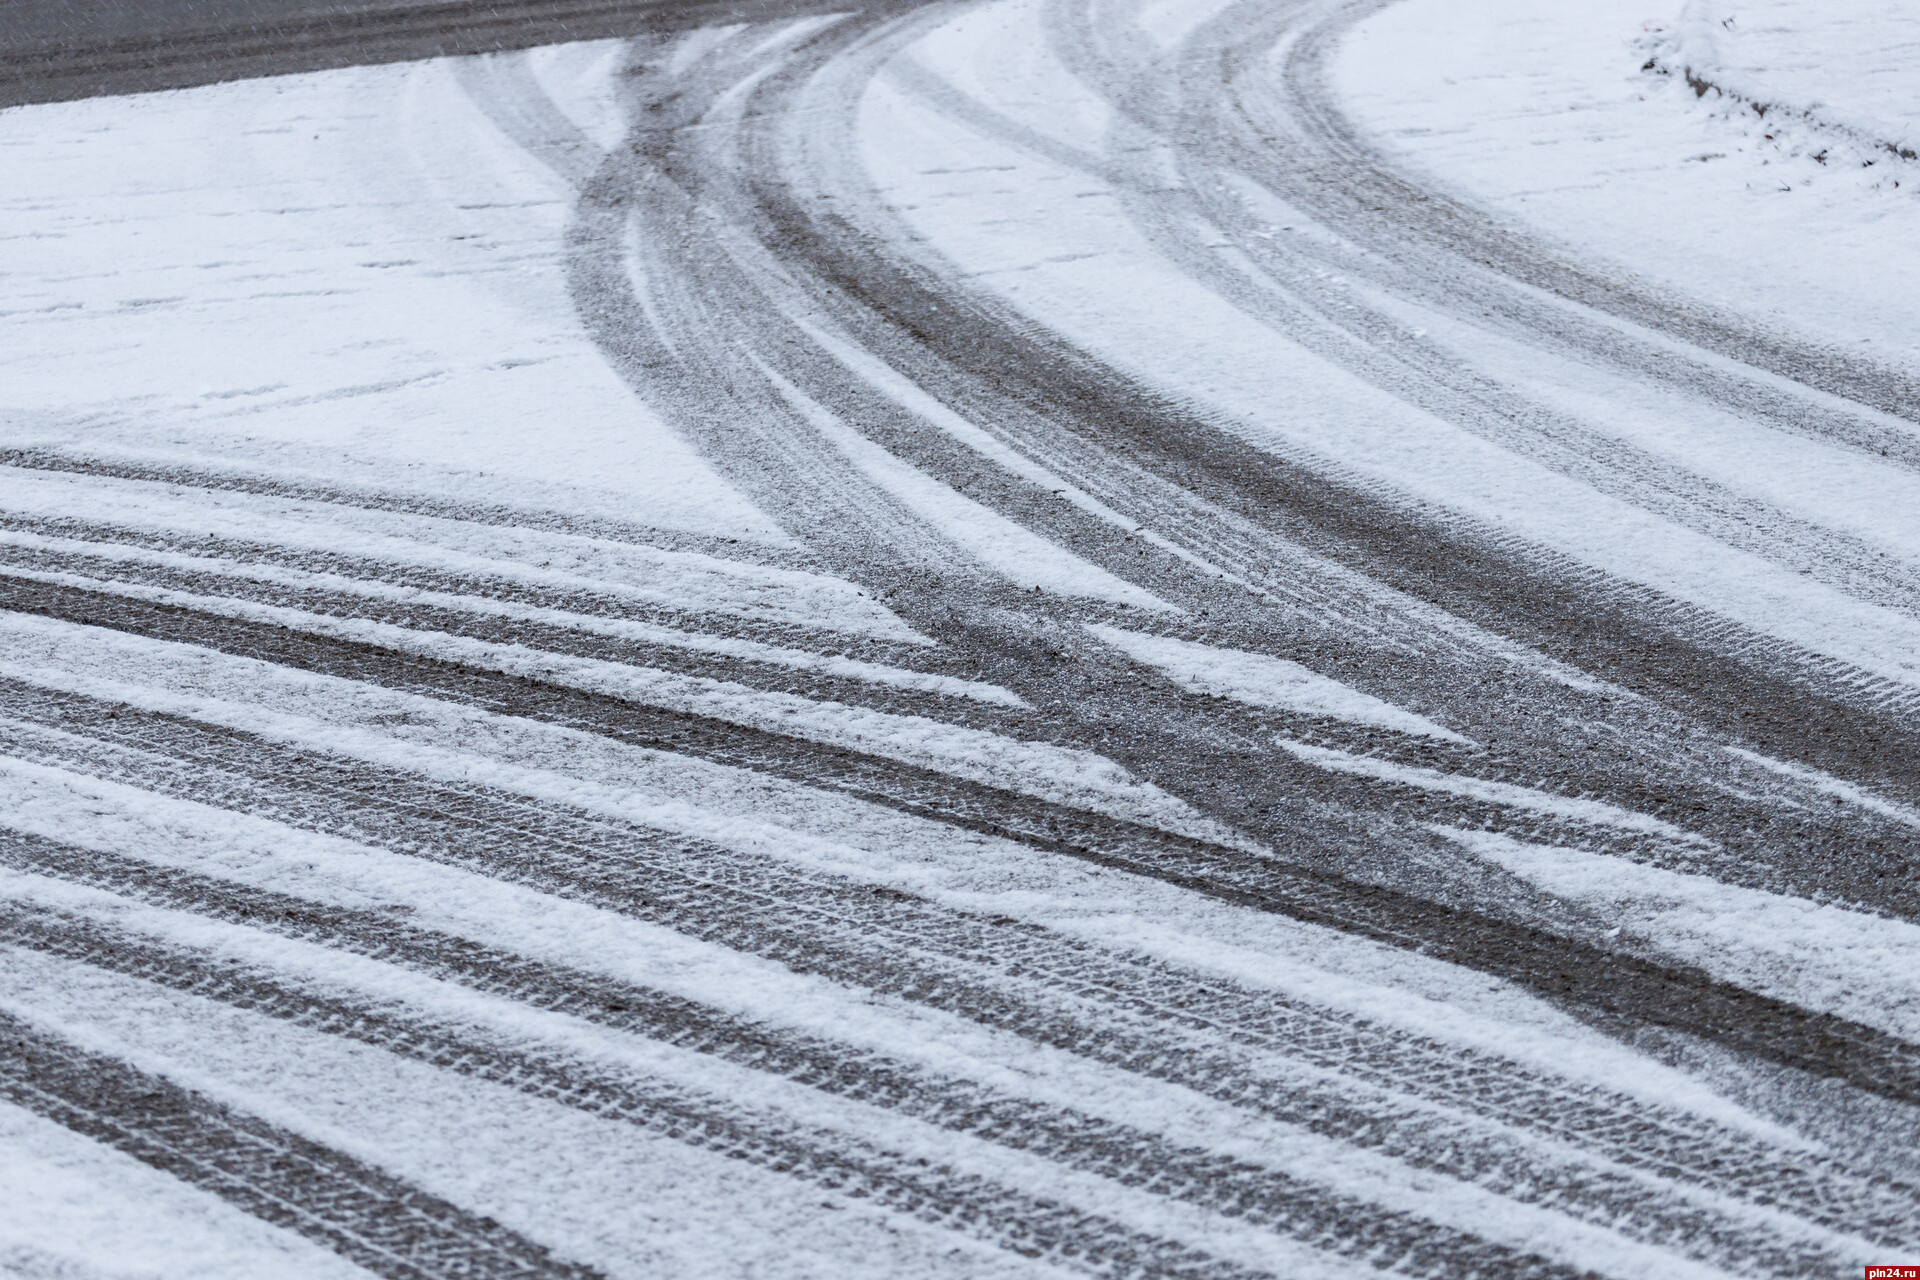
(1073,1139)
(1120,1009)
(66,51)
(368,1217)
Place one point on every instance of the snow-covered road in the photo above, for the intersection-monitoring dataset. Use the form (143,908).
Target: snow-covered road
(1032,637)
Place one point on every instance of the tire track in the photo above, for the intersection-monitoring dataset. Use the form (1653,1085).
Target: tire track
(1532,715)
(1191,93)
(1126,1011)
(1746,687)
(562,630)
(1006,1218)
(397,502)
(1074,1139)
(1609,986)
(1740,699)
(790,672)
(1373,202)
(790,226)
(366,1216)
(734,264)
(1687,788)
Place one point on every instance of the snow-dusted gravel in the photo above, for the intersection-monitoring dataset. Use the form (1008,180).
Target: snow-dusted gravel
(1017,638)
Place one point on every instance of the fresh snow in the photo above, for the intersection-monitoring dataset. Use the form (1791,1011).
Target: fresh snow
(280,272)
(1543,114)
(1845,66)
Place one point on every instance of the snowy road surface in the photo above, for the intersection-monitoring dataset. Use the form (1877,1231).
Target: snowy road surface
(1193,638)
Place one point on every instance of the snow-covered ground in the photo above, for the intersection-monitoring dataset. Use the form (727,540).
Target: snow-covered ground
(348,275)
(1577,121)
(915,646)
(1056,236)
(1851,68)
